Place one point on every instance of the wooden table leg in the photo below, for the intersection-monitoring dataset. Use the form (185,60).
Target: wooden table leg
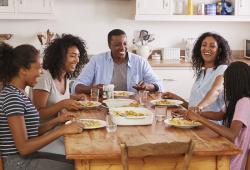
(222,163)
(82,165)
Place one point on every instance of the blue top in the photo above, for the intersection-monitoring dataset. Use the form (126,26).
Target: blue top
(99,70)
(202,85)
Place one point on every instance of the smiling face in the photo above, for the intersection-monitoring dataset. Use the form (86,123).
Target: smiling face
(118,46)
(71,59)
(209,50)
(34,71)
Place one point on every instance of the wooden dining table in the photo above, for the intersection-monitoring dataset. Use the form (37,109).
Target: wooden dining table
(99,150)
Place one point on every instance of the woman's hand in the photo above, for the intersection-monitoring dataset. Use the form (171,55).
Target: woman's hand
(193,114)
(81,96)
(65,116)
(71,104)
(72,128)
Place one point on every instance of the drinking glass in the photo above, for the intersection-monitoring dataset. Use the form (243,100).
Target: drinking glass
(94,95)
(108,91)
(110,125)
(160,113)
(143,96)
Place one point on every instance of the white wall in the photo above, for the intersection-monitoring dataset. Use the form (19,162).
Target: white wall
(93,19)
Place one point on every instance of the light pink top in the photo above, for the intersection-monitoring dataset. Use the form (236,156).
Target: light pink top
(242,114)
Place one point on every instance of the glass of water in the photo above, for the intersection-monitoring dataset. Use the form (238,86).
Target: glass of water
(94,94)
(160,113)
(111,126)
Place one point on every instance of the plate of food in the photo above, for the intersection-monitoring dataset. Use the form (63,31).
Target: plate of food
(123,93)
(166,102)
(182,123)
(90,123)
(111,103)
(89,104)
(131,112)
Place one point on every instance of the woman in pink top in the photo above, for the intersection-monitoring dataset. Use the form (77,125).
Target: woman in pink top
(236,119)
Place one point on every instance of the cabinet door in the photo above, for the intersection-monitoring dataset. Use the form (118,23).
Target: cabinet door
(243,7)
(35,6)
(153,7)
(7,6)
(176,80)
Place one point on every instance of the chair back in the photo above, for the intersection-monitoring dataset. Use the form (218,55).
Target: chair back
(1,163)
(158,149)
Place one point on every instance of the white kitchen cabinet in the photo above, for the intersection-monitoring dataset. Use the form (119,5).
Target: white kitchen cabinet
(27,9)
(243,7)
(178,80)
(155,7)
(155,10)
(7,6)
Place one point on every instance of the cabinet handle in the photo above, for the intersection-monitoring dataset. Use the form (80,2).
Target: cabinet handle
(138,5)
(169,80)
(165,3)
(241,4)
(21,2)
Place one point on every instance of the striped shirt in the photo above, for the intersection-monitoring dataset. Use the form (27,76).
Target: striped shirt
(14,102)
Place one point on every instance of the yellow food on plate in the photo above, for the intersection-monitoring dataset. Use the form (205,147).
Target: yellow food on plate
(165,102)
(88,104)
(122,94)
(134,104)
(90,123)
(129,113)
(183,122)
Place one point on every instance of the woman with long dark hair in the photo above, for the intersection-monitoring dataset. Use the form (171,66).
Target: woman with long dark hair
(21,133)
(211,55)
(63,58)
(236,118)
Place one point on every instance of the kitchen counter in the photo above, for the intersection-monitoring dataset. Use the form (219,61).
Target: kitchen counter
(169,63)
(182,63)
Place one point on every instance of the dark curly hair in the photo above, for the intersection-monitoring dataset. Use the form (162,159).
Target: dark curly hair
(223,55)
(236,86)
(13,59)
(55,55)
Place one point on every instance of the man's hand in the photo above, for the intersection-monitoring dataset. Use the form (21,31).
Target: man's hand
(140,86)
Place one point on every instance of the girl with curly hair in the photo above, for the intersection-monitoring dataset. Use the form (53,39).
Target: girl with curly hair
(63,58)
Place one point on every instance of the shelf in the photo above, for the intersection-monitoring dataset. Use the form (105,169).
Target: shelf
(215,18)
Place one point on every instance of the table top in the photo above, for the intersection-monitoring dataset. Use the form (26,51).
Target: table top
(99,144)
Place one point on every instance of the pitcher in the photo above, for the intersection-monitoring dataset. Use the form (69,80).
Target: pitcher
(144,51)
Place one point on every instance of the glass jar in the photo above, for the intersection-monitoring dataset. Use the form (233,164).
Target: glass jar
(178,7)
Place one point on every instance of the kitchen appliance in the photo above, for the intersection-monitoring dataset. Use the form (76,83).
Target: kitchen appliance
(247,48)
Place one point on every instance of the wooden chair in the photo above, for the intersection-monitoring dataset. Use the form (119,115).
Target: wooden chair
(158,149)
(1,163)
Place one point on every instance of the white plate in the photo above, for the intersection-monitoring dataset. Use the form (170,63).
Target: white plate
(89,104)
(87,123)
(181,123)
(120,103)
(123,93)
(121,118)
(166,102)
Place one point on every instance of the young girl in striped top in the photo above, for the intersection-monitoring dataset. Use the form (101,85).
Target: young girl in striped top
(21,134)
